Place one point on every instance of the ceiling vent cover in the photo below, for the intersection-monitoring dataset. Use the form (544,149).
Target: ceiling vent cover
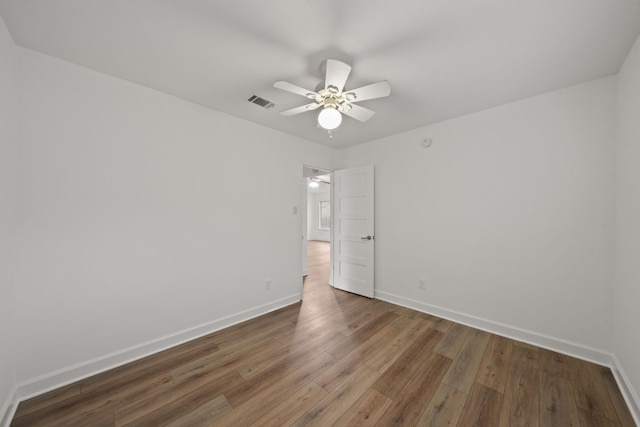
(255,99)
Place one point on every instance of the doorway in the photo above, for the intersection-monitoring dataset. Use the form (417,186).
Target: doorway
(316,231)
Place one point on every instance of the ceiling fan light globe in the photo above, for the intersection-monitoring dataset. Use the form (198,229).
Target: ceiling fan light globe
(329,118)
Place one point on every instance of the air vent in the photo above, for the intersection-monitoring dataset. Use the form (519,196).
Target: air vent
(255,99)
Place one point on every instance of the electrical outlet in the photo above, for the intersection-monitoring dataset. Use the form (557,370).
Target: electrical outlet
(267,285)
(422,284)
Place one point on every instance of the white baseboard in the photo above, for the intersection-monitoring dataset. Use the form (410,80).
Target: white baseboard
(628,392)
(8,408)
(579,351)
(600,357)
(53,380)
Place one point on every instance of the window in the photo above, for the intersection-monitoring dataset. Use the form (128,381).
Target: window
(325,215)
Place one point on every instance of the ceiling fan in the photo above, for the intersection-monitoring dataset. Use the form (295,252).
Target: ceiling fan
(333,99)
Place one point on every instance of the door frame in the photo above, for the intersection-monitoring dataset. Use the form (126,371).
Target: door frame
(304,222)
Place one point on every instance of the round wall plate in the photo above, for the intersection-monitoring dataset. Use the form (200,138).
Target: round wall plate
(426,142)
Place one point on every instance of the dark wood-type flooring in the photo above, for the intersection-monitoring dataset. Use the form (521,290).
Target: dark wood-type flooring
(340,359)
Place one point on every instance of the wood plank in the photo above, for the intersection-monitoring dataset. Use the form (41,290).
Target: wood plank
(482,407)
(377,344)
(365,412)
(301,328)
(350,343)
(292,365)
(418,392)
(403,311)
(294,407)
(624,415)
(227,359)
(526,346)
(590,390)
(557,403)
(465,367)
(394,380)
(553,363)
(495,362)
(328,410)
(362,319)
(249,332)
(207,384)
(589,419)
(103,418)
(95,402)
(330,379)
(264,394)
(445,408)
(404,338)
(521,396)
(149,367)
(190,406)
(453,341)
(203,415)
(48,399)
(263,359)
(442,325)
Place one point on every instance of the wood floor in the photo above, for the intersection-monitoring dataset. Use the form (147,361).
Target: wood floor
(340,359)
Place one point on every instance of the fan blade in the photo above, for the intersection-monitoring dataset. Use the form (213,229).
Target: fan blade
(359,113)
(290,87)
(336,74)
(375,90)
(302,109)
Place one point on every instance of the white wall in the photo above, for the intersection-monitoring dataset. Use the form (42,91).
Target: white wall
(313,220)
(141,218)
(8,160)
(627,283)
(508,215)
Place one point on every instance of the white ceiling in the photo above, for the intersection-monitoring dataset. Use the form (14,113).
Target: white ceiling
(443,58)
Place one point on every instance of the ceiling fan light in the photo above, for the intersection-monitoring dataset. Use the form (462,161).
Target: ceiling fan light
(329,118)
(314,184)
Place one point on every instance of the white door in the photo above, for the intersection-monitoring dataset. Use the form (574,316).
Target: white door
(353,238)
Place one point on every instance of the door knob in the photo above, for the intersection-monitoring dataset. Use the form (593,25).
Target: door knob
(366,238)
